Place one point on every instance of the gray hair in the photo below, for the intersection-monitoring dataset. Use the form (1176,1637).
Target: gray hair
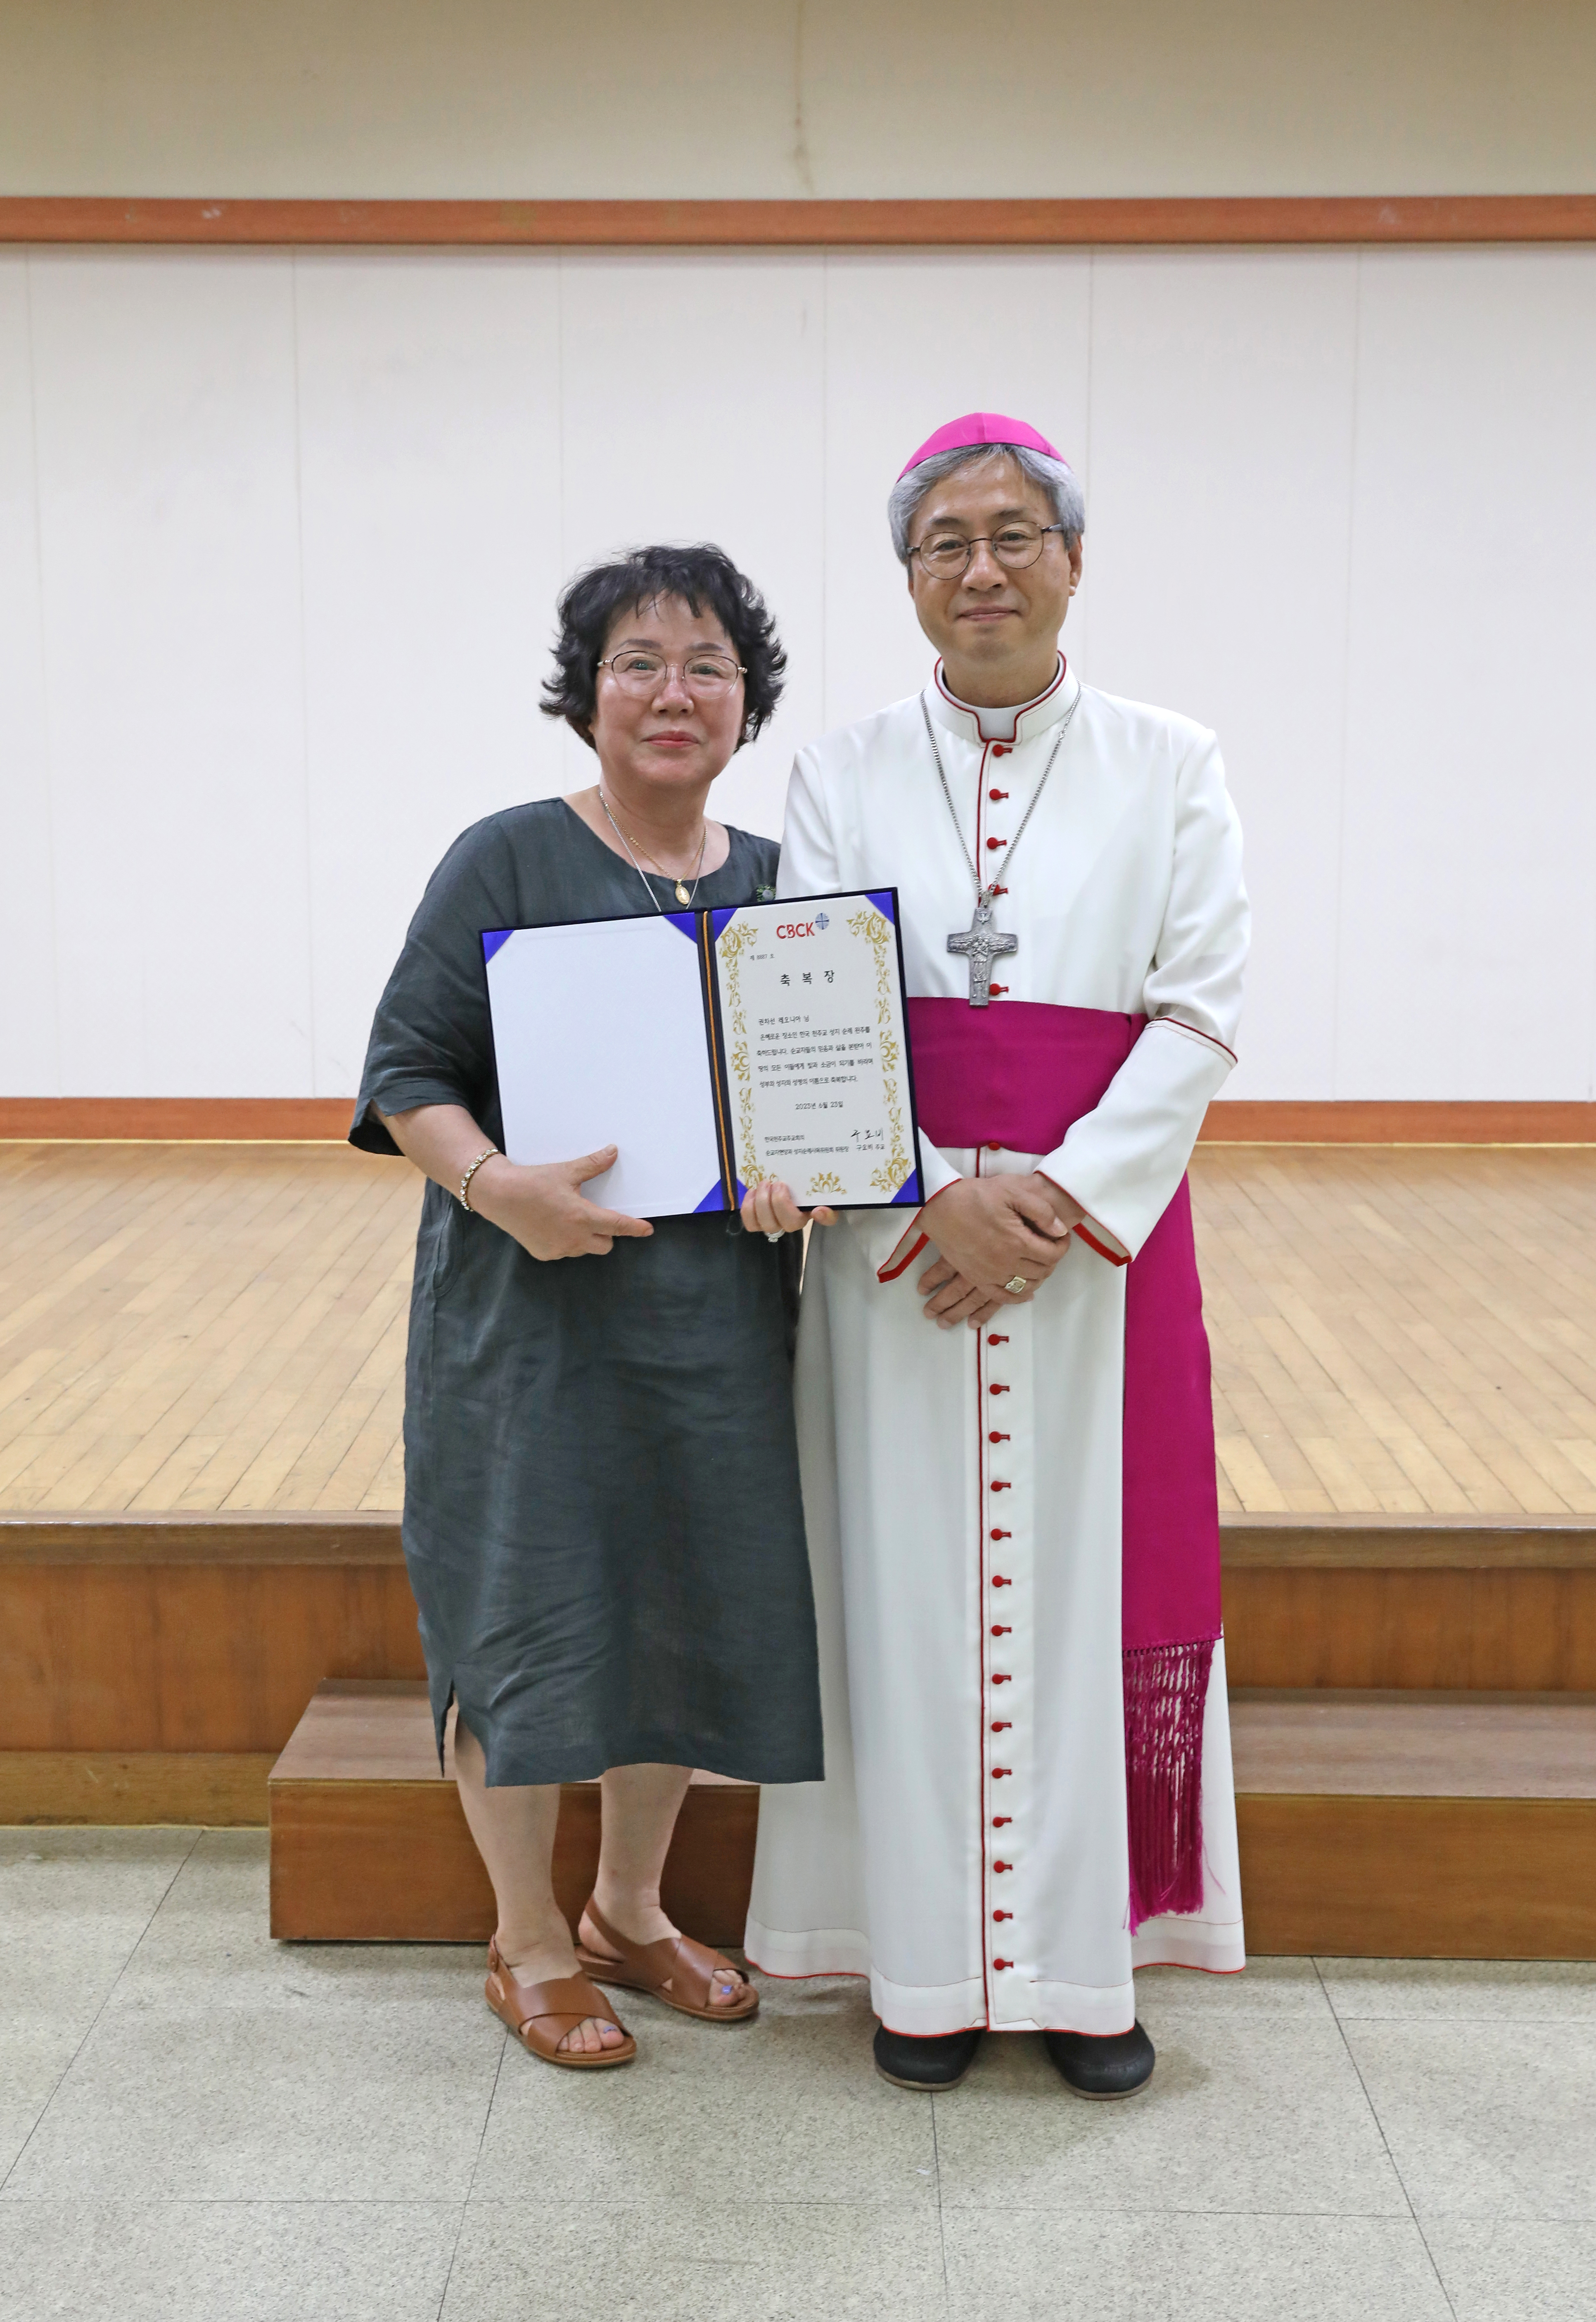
(1058,481)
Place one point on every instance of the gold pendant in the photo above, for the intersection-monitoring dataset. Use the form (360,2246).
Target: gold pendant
(681,892)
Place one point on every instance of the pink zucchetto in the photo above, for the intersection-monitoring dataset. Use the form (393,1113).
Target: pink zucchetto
(975,429)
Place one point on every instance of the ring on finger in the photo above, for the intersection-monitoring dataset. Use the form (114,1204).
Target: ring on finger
(1016,1285)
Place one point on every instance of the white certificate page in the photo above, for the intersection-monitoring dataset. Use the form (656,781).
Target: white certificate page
(811,998)
(598,1037)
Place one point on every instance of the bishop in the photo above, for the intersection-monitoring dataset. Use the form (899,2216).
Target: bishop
(1004,1409)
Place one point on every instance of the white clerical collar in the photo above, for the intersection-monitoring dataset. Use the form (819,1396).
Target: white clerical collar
(1021,723)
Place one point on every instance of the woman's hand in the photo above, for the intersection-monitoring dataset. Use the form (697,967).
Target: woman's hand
(771,1209)
(542,1209)
(545,1210)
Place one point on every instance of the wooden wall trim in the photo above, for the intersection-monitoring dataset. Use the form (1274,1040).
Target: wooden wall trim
(297,1120)
(786,224)
(196,1120)
(1352,1122)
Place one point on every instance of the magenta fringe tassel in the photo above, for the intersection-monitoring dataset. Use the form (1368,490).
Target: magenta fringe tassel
(1166,1688)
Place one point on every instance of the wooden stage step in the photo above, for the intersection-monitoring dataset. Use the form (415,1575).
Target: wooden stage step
(1383,1824)
(152,1667)
(369,1843)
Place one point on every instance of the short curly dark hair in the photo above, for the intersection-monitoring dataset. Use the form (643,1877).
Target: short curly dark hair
(704,579)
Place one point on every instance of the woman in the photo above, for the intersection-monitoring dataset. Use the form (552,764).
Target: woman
(602,1519)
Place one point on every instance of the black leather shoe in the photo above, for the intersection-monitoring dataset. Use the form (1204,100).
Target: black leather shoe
(940,2062)
(1092,2066)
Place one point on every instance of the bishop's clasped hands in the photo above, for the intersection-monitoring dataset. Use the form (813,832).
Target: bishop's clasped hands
(997,1240)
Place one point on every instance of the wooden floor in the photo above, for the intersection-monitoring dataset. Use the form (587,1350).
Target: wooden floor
(1407,1329)
(221,1327)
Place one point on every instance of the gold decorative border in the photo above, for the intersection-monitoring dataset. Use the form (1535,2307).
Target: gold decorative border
(877,931)
(730,944)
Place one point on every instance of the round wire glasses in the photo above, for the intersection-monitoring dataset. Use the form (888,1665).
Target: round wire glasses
(947,554)
(637,671)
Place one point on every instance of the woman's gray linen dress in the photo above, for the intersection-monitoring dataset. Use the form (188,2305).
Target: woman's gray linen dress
(602,1519)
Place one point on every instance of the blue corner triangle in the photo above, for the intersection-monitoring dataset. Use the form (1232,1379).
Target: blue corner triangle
(492,937)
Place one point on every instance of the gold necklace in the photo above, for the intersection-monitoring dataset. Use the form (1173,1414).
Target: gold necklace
(682,895)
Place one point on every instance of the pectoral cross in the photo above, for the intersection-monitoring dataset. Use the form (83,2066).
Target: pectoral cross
(981,947)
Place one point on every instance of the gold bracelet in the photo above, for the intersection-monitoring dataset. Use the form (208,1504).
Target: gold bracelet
(488,1152)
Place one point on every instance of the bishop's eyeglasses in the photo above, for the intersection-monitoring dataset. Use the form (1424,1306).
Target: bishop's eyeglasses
(638,672)
(947,554)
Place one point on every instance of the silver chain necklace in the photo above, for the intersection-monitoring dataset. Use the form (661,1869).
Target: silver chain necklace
(982,944)
(682,896)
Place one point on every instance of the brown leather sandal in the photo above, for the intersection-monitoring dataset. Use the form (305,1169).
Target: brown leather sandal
(675,1969)
(540,2015)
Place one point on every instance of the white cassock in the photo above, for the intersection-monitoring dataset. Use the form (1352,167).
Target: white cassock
(967,1848)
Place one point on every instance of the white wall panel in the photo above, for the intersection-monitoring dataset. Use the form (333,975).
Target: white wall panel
(169,513)
(912,340)
(1469,881)
(517,99)
(29,1055)
(1222,396)
(429,396)
(281,541)
(693,410)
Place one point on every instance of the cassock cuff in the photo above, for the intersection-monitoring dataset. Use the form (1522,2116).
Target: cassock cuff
(915,1238)
(1095,1235)
(937,1173)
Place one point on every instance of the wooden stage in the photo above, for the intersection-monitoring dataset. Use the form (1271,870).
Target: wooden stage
(221,1327)
(201,1359)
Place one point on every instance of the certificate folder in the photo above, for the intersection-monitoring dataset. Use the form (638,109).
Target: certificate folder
(713,1049)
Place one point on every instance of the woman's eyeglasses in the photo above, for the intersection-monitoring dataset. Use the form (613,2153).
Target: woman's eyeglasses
(946,555)
(643,674)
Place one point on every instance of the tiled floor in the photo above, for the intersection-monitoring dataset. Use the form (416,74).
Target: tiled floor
(197,2124)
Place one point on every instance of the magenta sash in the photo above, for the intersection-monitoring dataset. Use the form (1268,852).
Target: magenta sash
(1018,1075)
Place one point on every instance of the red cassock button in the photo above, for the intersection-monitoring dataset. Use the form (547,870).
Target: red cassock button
(1002,1630)
(1002,1724)
(997,1962)
(1002,1773)
(1003,1914)
(996,795)
(1003,1866)
(999,1580)
(1001,1821)
(993,844)
(996,1339)
(1001,749)
(998,1390)
(1001,1678)
(999,1534)
(995,1437)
